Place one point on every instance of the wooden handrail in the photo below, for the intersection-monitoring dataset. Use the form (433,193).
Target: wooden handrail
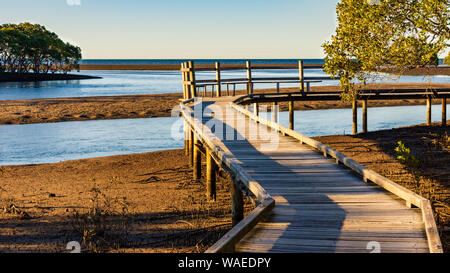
(264,202)
(254,67)
(434,242)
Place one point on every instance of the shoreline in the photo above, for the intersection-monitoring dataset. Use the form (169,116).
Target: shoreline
(154,105)
(31,77)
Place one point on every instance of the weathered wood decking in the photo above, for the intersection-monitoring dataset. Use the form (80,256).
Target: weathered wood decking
(320,205)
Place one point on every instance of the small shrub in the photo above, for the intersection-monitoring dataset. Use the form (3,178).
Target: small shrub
(105,225)
(404,155)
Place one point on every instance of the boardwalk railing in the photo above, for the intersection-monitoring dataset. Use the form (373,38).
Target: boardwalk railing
(201,138)
(411,198)
(192,86)
(364,95)
(215,152)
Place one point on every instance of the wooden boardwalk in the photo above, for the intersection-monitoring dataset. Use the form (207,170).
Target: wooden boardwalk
(320,205)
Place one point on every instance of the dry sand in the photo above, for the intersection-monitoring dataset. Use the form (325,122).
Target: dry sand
(157,105)
(144,202)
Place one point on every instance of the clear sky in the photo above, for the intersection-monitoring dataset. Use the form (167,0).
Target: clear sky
(149,29)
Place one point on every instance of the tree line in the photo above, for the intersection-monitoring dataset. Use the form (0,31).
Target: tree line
(26,48)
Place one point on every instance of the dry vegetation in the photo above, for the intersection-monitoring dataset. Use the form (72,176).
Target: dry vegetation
(429,176)
(132,203)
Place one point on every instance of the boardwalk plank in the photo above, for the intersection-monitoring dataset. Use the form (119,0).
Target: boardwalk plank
(320,206)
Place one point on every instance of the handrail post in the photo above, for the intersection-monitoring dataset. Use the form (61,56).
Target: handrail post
(183,79)
(211,168)
(197,166)
(429,102)
(187,76)
(291,115)
(301,76)
(444,112)
(191,146)
(355,116)
(364,120)
(256,108)
(186,139)
(249,78)
(219,86)
(237,204)
(192,78)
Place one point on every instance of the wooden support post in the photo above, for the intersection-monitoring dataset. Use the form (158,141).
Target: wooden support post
(249,78)
(197,167)
(291,115)
(301,76)
(192,79)
(444,112)
(237,204)
(211,168)
(186,139)
(256,109)
(364,119)
(219,86)
(183,79)
(275,112)
(191,147)
(355,116)
(429,111)
(187,77)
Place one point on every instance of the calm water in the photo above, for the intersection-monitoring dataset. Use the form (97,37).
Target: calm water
(115,83)
(53,142)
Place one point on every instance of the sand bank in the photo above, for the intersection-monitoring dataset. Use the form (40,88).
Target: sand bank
(144,203)
(155,105)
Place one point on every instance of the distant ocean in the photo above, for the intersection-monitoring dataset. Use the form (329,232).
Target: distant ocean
(199,61)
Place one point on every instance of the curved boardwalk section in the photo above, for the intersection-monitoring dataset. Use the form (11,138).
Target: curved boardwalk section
(320,206)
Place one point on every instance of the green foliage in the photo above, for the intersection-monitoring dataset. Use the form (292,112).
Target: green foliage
(404,155)
(26,47)
(370,35)
(447,59)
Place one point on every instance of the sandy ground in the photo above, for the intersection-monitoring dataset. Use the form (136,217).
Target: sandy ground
(132,203)
(88,108)
(430,177)
(146,106)
(422,71)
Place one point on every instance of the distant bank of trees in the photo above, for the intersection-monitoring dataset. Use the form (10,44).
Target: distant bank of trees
(31,48)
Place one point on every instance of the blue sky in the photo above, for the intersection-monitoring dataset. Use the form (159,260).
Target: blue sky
(145,29)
